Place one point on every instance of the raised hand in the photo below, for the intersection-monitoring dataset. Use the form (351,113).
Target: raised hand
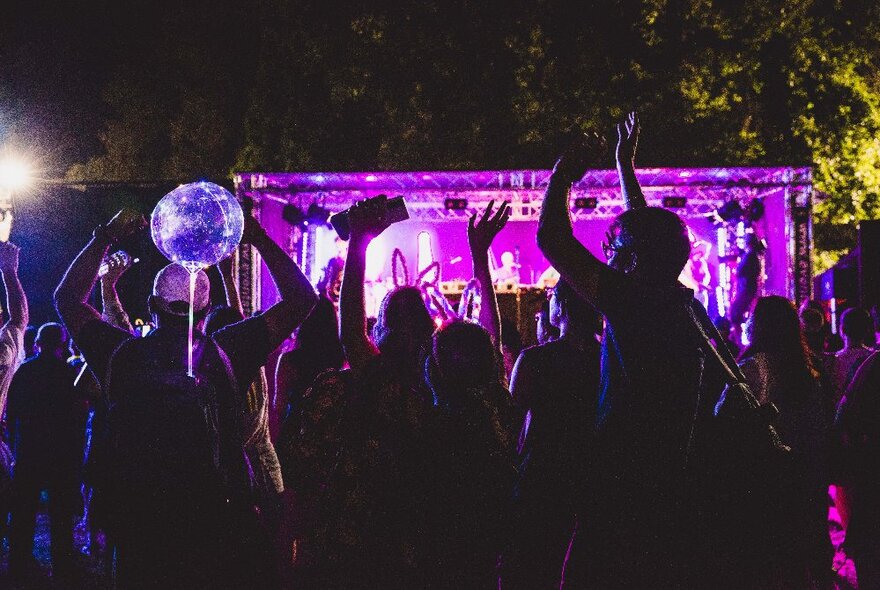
(481,233)
(628,138)
(9,257)
(368,218)
(586,149)
(627,142)
(117,263)
(124,224)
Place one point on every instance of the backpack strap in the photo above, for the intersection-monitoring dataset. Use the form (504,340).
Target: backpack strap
(227,364)
(734,376)
(237,423)
(707,332)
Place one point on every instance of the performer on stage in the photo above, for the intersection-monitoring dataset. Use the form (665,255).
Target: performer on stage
(330,282)
(749,278)
(508,272)
(696,273)
(548,278)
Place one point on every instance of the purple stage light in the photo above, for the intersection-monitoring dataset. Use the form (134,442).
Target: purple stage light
(696,194)
(718,178)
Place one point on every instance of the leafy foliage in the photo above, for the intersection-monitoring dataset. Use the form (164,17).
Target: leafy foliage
(492,84)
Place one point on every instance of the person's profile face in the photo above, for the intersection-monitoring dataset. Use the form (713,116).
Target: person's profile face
(617,255)
(749,328)
(620,259)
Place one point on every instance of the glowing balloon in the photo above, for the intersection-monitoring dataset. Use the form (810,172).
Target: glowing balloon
(197,224)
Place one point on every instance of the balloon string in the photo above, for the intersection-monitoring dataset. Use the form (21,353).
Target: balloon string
(80,374)
(192,296)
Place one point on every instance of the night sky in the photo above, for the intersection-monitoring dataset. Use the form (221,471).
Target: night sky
(58,56)
(57,59)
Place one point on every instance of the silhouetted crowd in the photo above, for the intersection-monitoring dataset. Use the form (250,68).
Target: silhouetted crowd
(640,444)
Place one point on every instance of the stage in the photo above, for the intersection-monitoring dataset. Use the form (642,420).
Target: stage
(722,207)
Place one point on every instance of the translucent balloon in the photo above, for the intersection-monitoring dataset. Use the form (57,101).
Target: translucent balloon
(197,224)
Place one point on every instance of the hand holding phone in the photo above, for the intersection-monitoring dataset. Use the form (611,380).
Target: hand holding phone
(373,215)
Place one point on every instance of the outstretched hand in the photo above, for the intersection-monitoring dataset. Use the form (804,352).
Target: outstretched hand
(481,233)
(9,257)
(368,218)
(628,138)
(125,223)
(586,149)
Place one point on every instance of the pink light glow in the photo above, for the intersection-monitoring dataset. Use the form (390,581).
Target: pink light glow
(705,189)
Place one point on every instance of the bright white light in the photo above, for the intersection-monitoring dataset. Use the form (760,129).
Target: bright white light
(324,250)
(5,226)
(14,174)
(426,256)
(371,178)
(376,257)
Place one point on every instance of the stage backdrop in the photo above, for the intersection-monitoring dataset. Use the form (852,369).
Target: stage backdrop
(720,205)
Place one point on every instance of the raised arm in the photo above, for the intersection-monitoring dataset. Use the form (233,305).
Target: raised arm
(480,236)
(555,232)
(113,312)
(367,220)
(627,142)
(233,299)
(297,295)
(72,294)
(16,302)
(524,379)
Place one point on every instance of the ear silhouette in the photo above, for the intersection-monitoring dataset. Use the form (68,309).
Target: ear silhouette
(633,262)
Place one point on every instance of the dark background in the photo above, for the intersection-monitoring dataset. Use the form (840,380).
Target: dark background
(161,92)
(51,227)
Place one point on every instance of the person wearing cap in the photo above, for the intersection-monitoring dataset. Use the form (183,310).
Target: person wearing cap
(184,537)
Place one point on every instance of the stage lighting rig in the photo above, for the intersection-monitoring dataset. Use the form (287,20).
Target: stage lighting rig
(674,202)
(317,215)
(731,211)
(16,175)
(293,215)
(455,204)
(586,203)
